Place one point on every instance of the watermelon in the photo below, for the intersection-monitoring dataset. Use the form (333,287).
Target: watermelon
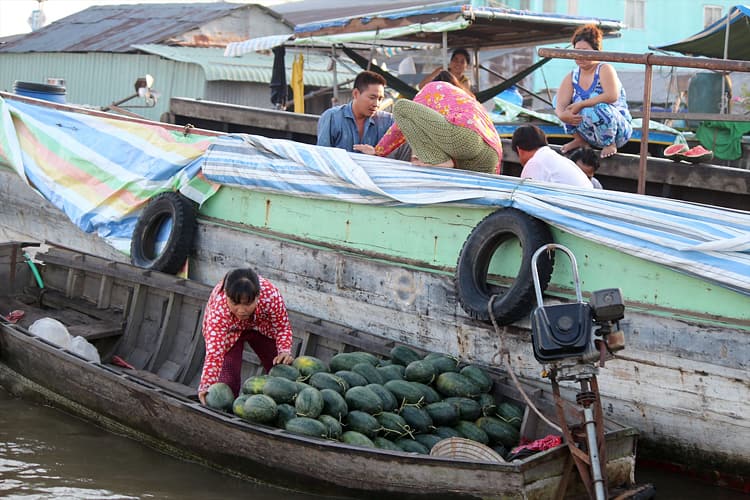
(281,390)
(307,426)
(386,397)
(386,444)
(447,432)
(286,371)
(404,391)
(487,404)
(369,372)
(392,425)
(363,423)
(412,446)
(351,378)
(333,425)
(510,413)
(285,414)
(675,151)
(442,362)
(334,404)
(363,399)
(479,376)
(417,418)
(323,380)
(254,385)
(428,440)
(391,372)
(499,432)
(307,365)
(429,395)
(346,360)
(260,409)
(698,154)
(357,439)
(457,385)
(402,355)
(309,403)
(443,413)
(237,406)
(468,409)
(420,371)
(220,396)
(470,431)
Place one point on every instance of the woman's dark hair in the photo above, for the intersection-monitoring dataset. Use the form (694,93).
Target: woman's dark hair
(528,138)
(446,76)
(366,78)
(241,285)
(463,52)
(589,33)
(587,156)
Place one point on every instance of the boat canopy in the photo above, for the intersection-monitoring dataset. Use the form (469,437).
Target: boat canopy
(714,40)
(463,25)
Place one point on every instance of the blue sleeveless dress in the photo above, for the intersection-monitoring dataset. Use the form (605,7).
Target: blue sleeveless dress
(603,123)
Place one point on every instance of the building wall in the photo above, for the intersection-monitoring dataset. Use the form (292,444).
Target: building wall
(99,79)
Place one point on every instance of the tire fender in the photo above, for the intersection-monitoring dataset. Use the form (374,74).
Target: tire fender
(143,246)
(517,300)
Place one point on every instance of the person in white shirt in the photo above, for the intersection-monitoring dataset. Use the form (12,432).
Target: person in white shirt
(541,163)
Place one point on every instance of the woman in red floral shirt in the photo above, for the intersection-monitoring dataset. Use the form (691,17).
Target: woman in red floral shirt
(243,307)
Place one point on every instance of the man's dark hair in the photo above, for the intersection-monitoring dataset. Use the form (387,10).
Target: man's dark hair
(462,52)
(366,78)
(242,285)
(587,156)
(528,138)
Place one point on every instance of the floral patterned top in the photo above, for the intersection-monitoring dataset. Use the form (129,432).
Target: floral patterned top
(458,107)
(221,328)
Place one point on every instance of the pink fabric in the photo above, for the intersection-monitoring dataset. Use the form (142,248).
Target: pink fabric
(458,107)
(231,369)
(222,329)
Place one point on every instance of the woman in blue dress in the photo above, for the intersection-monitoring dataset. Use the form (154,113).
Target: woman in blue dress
(591,100)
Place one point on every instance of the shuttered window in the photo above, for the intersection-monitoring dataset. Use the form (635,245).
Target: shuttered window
(635,14)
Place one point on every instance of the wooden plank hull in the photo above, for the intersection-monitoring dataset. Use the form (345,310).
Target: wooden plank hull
(160,412)
(682,379)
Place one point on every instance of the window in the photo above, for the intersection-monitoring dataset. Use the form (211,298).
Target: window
(711,14)
(572,7)
(635,14)
(525,5)
(549,6)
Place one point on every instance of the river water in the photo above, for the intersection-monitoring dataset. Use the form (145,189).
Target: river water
(48,454)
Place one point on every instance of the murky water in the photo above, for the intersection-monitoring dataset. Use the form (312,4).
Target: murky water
(48,454)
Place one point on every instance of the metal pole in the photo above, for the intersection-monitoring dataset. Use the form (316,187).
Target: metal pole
(335,77)
(444,50)
(644,129)
(596,468)
(724,107)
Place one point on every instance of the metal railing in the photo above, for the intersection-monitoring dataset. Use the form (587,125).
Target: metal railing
(649,60)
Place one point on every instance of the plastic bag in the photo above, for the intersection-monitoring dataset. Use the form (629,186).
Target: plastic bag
(83,348)
(52,330)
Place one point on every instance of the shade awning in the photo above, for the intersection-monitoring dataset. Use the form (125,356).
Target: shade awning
(710,42)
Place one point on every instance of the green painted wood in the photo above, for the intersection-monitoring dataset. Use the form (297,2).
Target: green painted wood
(432,237)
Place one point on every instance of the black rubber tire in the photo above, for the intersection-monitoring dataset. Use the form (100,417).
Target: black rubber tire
(516,301)
(162,207)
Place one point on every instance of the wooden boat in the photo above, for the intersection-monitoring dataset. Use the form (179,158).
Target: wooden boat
(153,321)
(682,380)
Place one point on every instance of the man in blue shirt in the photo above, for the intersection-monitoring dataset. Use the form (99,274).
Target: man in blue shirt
(358,122)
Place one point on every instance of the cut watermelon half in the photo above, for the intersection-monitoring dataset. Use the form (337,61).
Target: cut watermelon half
(675,151)
(698,154)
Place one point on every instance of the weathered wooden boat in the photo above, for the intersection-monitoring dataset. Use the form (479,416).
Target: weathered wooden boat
(377,246)
(153,321)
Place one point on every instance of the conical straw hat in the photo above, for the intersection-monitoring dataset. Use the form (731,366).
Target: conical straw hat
(466,449)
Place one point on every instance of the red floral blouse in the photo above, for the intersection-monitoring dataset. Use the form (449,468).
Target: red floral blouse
(221,328)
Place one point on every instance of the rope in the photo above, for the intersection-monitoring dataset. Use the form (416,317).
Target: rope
(503,351)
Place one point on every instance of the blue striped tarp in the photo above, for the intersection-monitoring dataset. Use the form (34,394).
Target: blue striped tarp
(709,242)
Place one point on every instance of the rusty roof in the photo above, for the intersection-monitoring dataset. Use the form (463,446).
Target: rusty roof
(115,28)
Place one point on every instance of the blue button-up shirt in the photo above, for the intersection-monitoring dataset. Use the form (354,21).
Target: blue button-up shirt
(337,128)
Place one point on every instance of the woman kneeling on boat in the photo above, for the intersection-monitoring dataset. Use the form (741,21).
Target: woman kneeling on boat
(243,307)
(591,100)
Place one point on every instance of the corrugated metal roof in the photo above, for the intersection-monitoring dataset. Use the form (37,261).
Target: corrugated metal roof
(252,67)
(115,28)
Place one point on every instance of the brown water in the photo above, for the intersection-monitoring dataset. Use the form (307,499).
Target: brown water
(48,454)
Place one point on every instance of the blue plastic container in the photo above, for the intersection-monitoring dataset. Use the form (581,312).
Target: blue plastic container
(44,91)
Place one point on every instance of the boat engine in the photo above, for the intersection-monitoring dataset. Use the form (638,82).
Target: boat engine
(569,339)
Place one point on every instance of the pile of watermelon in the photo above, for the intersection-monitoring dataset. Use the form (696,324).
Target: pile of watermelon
(406,403)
